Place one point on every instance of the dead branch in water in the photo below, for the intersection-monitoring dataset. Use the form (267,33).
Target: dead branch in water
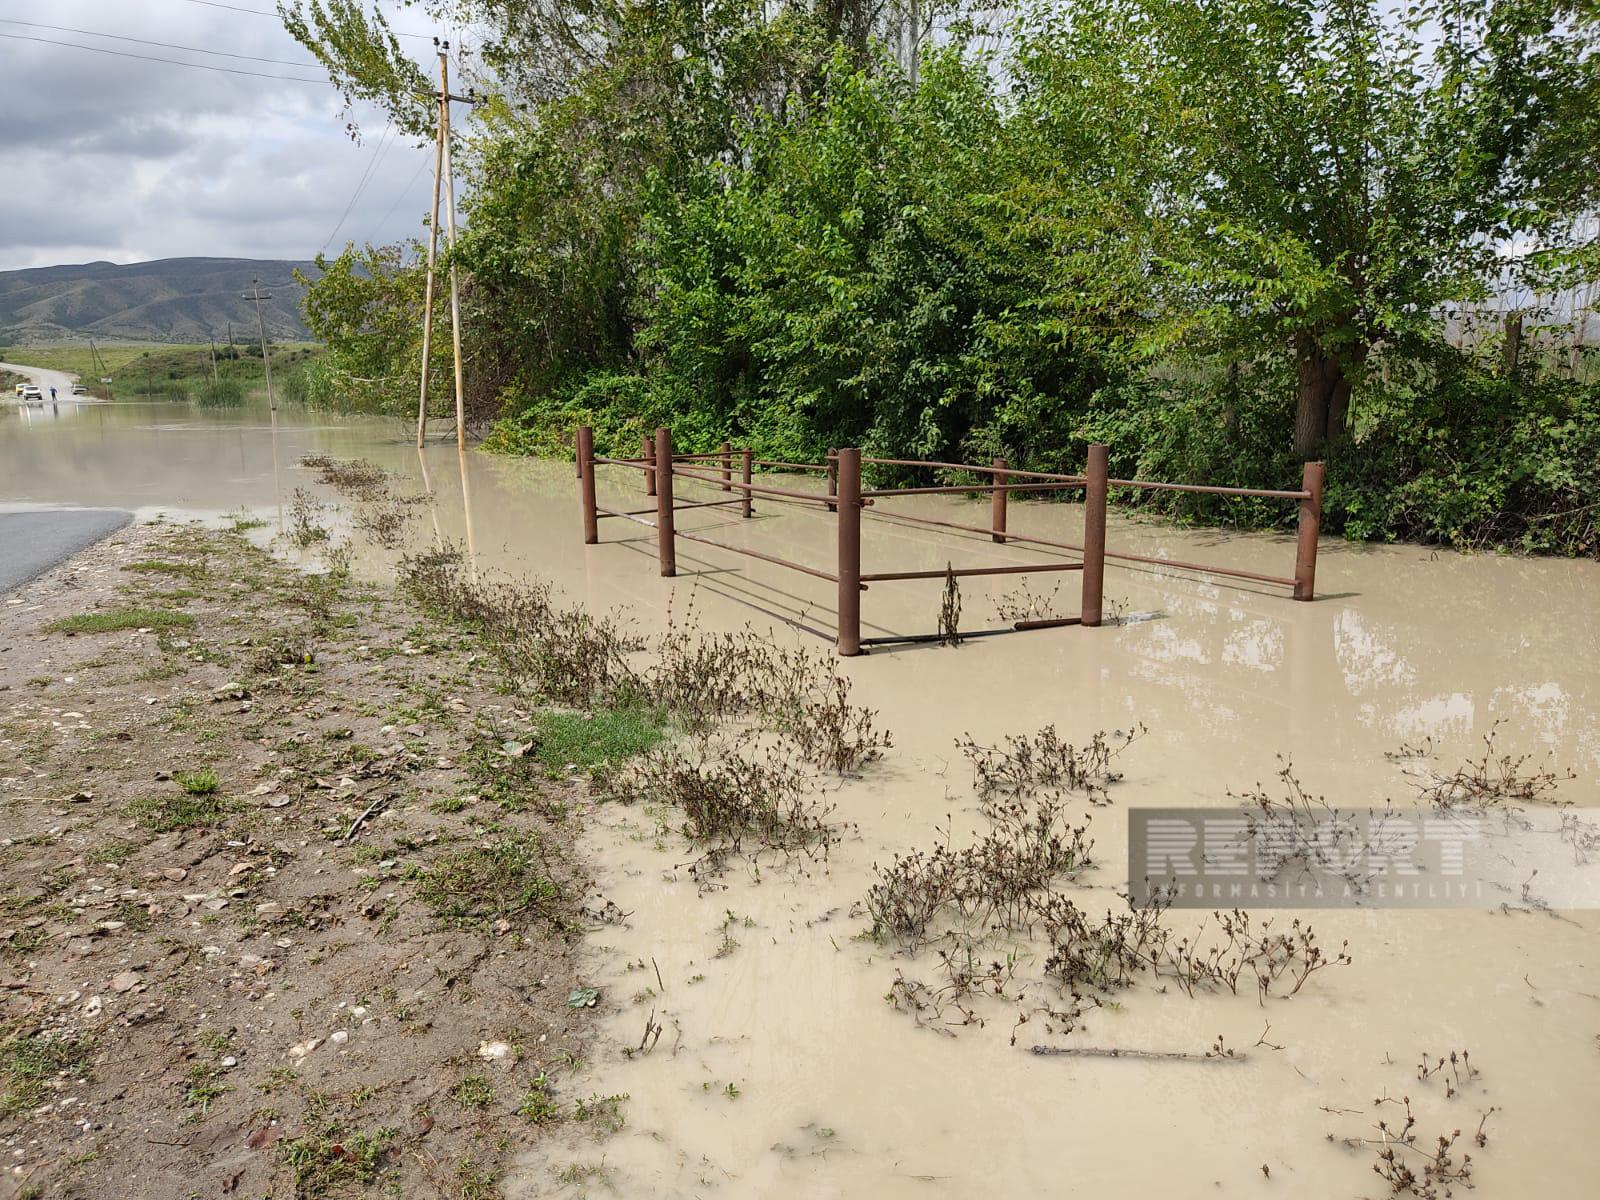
(1120,1052)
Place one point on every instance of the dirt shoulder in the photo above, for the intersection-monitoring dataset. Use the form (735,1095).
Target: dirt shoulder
(281,910)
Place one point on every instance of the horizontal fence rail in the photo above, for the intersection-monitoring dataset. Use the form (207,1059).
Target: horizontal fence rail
(846,498)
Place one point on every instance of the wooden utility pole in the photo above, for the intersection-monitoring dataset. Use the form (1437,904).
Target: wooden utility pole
(433,251)
(103,367)
(450,241)
(266,353)
(443,175)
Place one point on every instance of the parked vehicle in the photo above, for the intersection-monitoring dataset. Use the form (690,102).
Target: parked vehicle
(20,386)
(79,390)
(31,394)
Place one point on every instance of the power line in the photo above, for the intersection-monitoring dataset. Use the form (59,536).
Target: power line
(281,62)
(174,62)
(401,195)
(361,185)
(263,13)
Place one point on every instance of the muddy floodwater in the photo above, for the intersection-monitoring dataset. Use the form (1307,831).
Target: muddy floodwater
(782,1070)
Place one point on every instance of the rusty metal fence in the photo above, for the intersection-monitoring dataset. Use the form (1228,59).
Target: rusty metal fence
(848,500)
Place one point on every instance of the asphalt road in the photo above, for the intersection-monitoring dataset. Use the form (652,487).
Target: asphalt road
(33,542)
(46,380)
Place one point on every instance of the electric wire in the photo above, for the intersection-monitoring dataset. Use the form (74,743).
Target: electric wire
(264,13)
(361,185)
(280,62)
(173,62)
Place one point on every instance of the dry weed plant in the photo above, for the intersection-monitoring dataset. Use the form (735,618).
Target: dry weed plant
(352,476)
(1024,604)
(1494,780)
(950,609)
(546,650)
(1424,1168)
(305,529)
(379,511)
(736,791)
(1023,764)
(1010,887)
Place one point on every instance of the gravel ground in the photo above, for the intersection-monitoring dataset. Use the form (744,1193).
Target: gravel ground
(261,930)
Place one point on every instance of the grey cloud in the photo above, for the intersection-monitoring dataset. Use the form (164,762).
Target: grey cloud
(126,160)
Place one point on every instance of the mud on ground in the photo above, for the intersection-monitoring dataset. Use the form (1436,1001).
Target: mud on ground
(276,916)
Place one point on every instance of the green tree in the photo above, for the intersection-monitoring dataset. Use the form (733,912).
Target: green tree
(1323,175)
(366,308)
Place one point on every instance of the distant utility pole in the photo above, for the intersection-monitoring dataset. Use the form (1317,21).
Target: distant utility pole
(443,176)
(266,354)
(103,367)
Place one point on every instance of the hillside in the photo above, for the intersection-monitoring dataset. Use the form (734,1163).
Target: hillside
(168,300)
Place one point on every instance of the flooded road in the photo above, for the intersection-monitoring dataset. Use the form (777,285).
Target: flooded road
(782,1070)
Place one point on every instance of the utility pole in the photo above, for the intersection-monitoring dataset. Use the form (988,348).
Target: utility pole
(266,354)
(433,247)
(102,367)
(450,239)
(443,175)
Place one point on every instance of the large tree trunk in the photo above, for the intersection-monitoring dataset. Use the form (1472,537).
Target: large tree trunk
(1320,378)
(1511,351)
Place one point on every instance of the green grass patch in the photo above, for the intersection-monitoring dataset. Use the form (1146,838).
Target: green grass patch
(203,782)
(505,879)
(163,814)
(538,1106)
(203,1088)
(29,1062)
(328,1163)
(122,618)
(243,521)
(600,739)
(475,1091)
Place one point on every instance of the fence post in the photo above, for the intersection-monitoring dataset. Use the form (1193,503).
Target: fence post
(848,489)
(666,542)
(727,467)
(1305,553)
(591,518)
(1094,534)
(998,511)
(747,461)
(649,465)
(832,463)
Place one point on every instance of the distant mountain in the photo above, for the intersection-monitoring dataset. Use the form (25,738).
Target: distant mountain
(169,300)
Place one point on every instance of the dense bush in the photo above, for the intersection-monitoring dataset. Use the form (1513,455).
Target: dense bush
(1218,237)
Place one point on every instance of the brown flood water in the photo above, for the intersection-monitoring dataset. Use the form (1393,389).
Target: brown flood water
(835,1093)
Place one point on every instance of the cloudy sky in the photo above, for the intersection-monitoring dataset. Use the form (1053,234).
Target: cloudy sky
(123,159)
